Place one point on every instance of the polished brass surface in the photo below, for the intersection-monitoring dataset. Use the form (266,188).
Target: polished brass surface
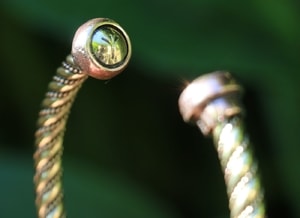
(52,120)
(109,57)
(240,169)
(212,103)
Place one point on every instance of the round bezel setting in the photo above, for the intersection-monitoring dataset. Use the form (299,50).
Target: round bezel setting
(101,48)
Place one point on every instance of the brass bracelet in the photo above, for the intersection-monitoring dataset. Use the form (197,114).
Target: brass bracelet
(101,49)
(212,103)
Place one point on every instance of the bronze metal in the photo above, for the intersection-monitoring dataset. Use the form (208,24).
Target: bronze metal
(104,59)
(212,102)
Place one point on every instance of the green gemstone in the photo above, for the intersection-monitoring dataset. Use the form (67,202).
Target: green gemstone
(109,46)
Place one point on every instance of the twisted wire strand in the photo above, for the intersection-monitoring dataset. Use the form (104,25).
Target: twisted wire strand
(51,124)
(240,170)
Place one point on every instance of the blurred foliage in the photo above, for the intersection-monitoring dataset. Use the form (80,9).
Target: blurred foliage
(128,152)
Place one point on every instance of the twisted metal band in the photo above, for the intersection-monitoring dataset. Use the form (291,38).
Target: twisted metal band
(101,49)
(212,103)
(240,169)
(52,120)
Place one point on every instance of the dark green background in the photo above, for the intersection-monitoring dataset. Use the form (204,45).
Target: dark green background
(127,151)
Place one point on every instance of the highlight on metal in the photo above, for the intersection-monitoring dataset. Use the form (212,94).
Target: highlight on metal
(101,49)
(212,102)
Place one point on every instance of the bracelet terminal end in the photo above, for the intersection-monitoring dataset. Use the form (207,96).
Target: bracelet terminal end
(210,99)
(101,48)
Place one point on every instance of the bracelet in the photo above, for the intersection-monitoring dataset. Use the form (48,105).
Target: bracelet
(212,103)
(101,49)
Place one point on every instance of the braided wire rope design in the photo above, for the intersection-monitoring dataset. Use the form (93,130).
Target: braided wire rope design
(243,184)
(51,124)
(212,102)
